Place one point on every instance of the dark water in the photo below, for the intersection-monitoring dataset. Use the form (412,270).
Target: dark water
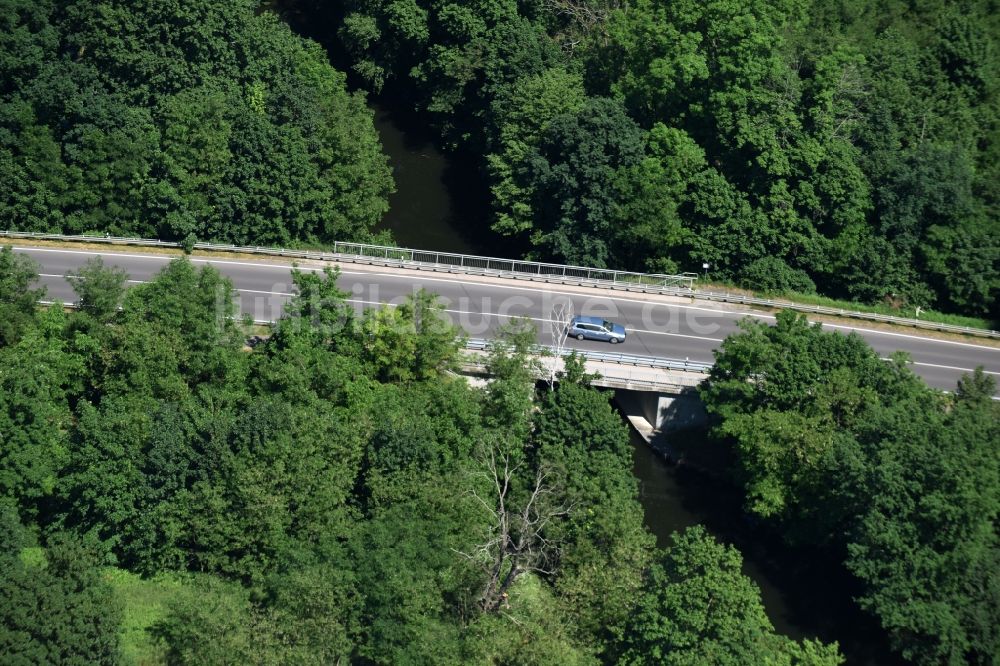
(441,200)
(806,594)
(439,203)
(675,498)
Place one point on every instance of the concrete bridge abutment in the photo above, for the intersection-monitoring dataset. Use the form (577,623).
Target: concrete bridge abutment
(665,412)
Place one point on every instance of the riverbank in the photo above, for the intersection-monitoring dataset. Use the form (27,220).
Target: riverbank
(806,592)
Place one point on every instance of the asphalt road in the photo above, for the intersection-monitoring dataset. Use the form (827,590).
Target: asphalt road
(655,327)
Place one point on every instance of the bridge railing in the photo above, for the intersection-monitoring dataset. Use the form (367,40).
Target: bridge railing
(419,259)
(679,285)
(683,365)
(479,344)
(517,268)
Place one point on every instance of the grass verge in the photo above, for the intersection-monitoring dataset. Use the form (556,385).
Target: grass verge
(853,306)
(925,315)
(144,602)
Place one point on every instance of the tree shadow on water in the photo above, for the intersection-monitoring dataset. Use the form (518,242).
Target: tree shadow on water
(807,592)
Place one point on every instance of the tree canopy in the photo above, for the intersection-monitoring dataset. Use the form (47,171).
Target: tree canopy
(844,147)
(335,493)
(178,119)
(338,493)
(841,449)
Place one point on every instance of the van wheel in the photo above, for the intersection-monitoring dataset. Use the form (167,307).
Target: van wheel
(579,336)
(614,341)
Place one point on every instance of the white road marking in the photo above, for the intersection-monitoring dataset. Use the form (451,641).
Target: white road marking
(727,313)
(675,335)
(908,335)
(541,319)
(943,367)
(268,293)
(464,283)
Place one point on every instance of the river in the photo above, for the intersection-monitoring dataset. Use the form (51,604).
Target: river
(440,204)
(806,593)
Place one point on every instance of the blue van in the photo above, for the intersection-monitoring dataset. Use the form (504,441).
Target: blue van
(595,328)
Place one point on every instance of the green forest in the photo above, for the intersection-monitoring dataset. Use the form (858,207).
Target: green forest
(847,147)
(843,451)
(338,493)
(176,119)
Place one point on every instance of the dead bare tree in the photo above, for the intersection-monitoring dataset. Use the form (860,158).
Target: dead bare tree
(585,14)
(515,541)
(584,18)
(559,321)
(848,97)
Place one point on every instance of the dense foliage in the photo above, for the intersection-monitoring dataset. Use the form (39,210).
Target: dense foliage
(841,449)
(334,494)
(699,608)
(847,144)
(55,608)
(844,146)
(337,494)
(180,119)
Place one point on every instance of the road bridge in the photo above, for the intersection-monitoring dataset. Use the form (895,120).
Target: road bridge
(659,326)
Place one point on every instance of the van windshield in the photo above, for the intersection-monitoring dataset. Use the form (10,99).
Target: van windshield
(608,325)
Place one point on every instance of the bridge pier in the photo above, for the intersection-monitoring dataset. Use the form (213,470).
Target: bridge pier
(655,415)
(668,412)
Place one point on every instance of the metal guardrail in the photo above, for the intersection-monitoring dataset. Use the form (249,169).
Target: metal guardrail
(678,285)
(420,259)
(478,344)
(726,297)
(612,380)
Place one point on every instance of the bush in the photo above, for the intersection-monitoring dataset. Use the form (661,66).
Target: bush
(188,243)
(773,274)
